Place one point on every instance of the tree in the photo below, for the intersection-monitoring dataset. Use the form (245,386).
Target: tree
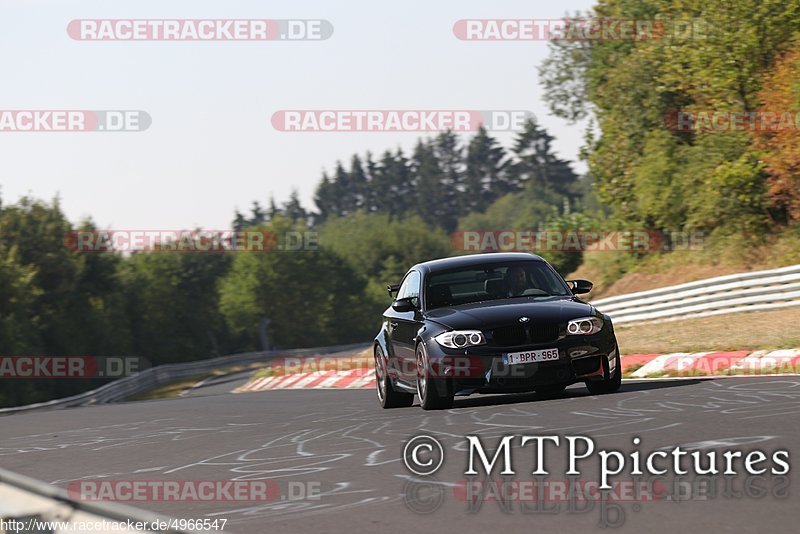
(368,241)
(312,297)
(639,162)
(395,184)
(239,221)
(450,156)
(18,333)
(257,215)
(779,147)
(431,203)
(485,179)
(537,170)
(173,304)
(272,212)
(293,210)
(37,233)
(358,185)
(53,300)
(383,248)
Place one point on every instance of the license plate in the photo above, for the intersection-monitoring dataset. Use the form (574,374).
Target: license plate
(530,356)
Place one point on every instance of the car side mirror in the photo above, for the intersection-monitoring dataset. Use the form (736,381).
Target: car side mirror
(579,287)
(403,305)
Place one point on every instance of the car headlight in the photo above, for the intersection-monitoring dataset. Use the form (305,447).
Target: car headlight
(585,326)
(459,339)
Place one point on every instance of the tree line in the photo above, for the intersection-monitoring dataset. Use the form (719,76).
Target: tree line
(442,181)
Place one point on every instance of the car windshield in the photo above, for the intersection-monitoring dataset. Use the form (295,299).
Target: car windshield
(493,281)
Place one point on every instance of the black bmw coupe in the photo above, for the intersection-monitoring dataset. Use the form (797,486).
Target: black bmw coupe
(490,323)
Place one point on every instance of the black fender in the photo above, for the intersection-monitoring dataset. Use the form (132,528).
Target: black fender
(381,341)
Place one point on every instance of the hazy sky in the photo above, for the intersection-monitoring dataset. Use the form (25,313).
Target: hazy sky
(211,147)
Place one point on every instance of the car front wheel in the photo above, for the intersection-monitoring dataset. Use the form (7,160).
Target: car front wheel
(430,398)
(387,396)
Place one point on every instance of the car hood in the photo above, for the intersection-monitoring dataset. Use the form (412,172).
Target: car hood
(504,312)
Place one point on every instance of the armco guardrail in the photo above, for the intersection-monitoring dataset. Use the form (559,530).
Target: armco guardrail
(164,374)
(27,505)
(753,291)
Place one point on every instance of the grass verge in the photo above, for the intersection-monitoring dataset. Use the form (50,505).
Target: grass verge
(739,331)
(619,272)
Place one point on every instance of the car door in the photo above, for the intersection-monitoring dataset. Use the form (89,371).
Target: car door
(403,327)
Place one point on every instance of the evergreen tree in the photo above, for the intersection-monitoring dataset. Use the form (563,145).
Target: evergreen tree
(341,191)
(273,209)
(239,221)
(293,210)
(443,181)
(538,170)
(370,201)
(430,197)
(450,157)
(257,215)
(357,185)
(402,193)
(485,179)
(325,200)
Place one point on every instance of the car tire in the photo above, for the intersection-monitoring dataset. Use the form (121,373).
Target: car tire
(387,396)
(430,398)
(611,385)
(551,390)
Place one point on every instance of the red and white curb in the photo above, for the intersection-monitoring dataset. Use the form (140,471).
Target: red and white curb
(739,363)
(351,379)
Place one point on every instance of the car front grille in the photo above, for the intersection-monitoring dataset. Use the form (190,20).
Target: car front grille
(513,335)
(509,336)
(542,333)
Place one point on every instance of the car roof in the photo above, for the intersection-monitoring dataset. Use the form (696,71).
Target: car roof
(468,260)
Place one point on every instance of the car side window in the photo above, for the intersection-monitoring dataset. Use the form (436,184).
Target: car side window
(410,287)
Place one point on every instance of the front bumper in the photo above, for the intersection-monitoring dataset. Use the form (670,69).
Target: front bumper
(481,369)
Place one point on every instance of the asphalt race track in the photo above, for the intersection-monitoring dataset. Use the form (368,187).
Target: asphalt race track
(343,442)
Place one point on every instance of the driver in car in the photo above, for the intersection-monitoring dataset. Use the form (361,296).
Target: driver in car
(516,281)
